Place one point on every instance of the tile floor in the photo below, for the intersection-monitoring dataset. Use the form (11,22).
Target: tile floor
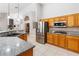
(50,50)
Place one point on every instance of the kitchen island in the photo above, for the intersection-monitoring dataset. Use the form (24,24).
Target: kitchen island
(14,46)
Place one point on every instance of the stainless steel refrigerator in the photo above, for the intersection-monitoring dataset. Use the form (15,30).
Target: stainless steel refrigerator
(41,32)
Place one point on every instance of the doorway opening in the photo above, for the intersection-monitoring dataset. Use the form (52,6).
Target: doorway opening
(27,28)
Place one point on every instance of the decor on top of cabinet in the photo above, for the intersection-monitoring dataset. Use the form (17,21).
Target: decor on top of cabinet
(26,18)
(35,24)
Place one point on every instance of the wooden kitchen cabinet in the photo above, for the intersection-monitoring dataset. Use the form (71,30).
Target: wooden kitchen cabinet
(55,37)
(63,18)
(77,20)
(72,43)
(50,38)
(23,37)
(71,20)
(27,53)
(56,19)
(51,22)
(62,40)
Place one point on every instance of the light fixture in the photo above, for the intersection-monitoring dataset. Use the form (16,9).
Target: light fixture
(9,17)
(18,12)
(9,11)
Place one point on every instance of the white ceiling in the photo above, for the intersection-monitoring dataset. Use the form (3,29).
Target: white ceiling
(4,7)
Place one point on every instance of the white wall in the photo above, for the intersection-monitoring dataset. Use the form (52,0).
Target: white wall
(31,11)
(34,11)
(39,11)
(3,21)
(59,9)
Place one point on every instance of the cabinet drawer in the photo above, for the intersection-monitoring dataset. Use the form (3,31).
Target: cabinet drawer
(50,41)
(49,36)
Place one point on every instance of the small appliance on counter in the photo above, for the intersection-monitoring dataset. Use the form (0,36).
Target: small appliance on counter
(60,24)
(41,32)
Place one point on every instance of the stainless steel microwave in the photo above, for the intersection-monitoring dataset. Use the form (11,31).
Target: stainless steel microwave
(60,24)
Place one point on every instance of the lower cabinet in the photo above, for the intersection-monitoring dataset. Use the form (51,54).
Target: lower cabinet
(73,43)
(62,40)
(27,53)
(50,38)
(23,37)
(55,39)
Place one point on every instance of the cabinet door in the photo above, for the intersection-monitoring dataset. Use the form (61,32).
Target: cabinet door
(55,37)
(51,22)
(77,20)
(70,20)
(73,43)
(63,18)
(23,37)
(62,40)
(27,53)
(56,19)
(49,38)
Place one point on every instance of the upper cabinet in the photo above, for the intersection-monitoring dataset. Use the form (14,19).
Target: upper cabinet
(71,20)
(51,22)
(77,20)
(56,19)
(63,18)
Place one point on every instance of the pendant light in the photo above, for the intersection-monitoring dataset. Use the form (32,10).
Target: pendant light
(8,10)
(18,10)
(18,13)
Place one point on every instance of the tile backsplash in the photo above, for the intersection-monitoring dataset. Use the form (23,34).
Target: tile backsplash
(64,29)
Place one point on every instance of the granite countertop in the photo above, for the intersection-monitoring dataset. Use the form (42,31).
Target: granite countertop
(71,33)
(12,33)
(17,31)
(12,46)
